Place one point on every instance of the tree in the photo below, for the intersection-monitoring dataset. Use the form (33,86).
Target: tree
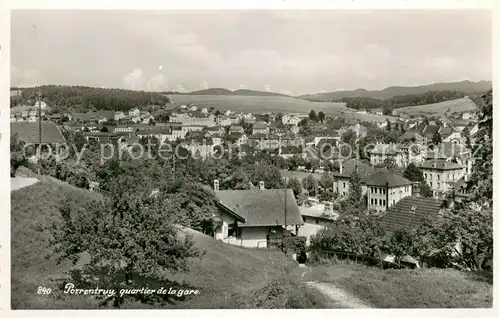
(309,183)
(238,180)
(349,137)
(413,173)
(388,125)
(436,138)
(151,122)
(355,191)
(401,243)
(104,129)
(321,117)
(295,185)
(131,241)
(425,190)
(17,155)
(480,184)
(313,116)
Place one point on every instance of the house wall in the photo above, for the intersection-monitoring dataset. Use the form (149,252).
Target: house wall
(221,233)
(437,179)
(310,228)
(377,158)
(254,236)
(382,198)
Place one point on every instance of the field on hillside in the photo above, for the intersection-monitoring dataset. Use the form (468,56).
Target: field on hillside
(257,104)
(368,117)
(456,105)
(420,288)
(224,276)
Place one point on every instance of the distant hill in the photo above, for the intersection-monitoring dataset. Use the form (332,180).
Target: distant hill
(238,92)
(388,92)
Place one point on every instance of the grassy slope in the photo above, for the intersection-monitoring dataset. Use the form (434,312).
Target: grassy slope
(257,104)
(33,210)
(456,105)
(423,288)
(225,276)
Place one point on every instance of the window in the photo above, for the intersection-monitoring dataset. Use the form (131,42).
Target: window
(372,201)
(383,191)
(438,185)
(371,190)
(231,232)
(426,175)
(317,221)
(343,185)
(430,184)
(375,190)
(438,176)
(383,202)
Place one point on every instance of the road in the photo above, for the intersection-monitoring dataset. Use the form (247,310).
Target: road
(19,183)
(338,296)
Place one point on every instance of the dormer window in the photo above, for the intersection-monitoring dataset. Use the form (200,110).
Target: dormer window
(413,209)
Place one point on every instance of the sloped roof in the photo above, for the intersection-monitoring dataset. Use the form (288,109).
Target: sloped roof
(440,165)
(458,185)
(299,174)
(385,178)
(350,165)
(386,149)
(409,135)
(430,130)
(260,125)
(29,132)
(401,216)
(261,207)
(446,131)
(235,128)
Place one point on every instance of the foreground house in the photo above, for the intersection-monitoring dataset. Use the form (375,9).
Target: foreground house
(250,217)
(30,134)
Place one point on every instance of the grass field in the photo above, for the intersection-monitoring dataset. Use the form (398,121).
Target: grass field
(227,276)
(368,117)
(421,288)
(257,104)
(456,105)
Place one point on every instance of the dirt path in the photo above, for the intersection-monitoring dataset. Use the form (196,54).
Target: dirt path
(337,295)
(19,183)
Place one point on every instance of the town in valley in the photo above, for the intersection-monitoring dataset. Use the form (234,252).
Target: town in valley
(248,198)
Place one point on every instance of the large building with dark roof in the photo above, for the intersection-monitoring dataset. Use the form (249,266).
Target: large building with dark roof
(410,212)
(250,217)
(342,178)
(386,188)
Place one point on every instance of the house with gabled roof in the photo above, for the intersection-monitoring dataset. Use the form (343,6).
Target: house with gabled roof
(342,178)
(410,212)
(441,174)
(386,188)
(381,152)
(250,218)
(29,133)
(260,127)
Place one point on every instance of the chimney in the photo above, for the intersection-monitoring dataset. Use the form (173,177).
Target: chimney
(216,185)
(261,185)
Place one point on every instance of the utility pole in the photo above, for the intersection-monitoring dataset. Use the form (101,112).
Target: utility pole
(284,246)
(39,98)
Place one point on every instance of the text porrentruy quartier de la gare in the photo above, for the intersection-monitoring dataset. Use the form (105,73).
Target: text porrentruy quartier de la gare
(69,288)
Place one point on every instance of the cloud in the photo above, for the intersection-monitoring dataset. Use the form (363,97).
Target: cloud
(157,83)
(179,88)
(204,85)
(24,78)
(134,80)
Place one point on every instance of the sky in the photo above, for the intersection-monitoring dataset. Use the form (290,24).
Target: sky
(291,52)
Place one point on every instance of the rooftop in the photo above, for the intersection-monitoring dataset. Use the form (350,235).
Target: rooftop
(410,212)
(385,178)
(29,132)
(261,207)
(440,165)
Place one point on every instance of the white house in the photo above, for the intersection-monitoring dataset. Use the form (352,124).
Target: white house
(134,112)
(252,218)
(316,216)
(385,188)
